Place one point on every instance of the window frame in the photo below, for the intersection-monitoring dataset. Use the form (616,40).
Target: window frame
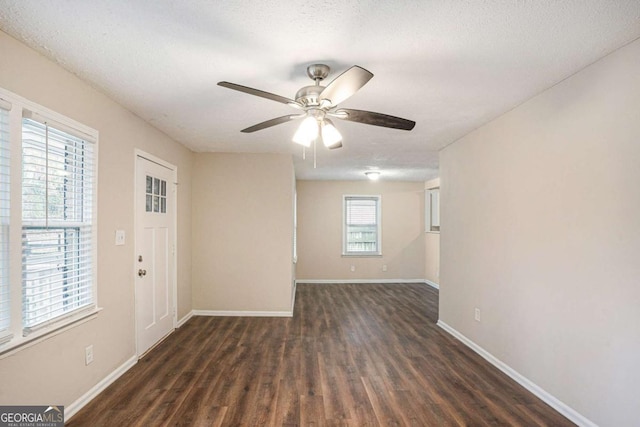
(363,254)
(431,204)
(20,335)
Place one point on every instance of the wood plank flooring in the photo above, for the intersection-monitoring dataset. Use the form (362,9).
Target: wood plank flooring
(352,355)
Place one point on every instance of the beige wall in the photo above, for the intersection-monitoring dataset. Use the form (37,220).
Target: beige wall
(320,231)
(432,245)
(54,370)
(541,231)
(243,232)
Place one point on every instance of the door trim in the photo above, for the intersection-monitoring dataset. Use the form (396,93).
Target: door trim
(174,280)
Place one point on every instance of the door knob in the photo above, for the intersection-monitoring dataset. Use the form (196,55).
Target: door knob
(142,273)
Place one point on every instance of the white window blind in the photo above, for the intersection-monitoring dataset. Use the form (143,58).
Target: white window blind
(57,209)
(5,212)
(362,225)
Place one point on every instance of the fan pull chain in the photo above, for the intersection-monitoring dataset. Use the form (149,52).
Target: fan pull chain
(304,154)
(314,154)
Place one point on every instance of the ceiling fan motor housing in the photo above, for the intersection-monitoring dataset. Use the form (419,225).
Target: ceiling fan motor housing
(309,96)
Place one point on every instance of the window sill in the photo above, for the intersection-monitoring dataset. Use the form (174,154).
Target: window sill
(20,342)
(362,255)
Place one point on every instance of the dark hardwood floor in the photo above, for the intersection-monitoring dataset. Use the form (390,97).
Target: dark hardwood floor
(363,355)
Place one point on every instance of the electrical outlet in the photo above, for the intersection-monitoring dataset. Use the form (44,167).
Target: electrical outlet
(88,355)
(353,268)
(384,267)
(477,314)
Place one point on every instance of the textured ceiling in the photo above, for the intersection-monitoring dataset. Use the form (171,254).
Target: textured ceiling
(451,66)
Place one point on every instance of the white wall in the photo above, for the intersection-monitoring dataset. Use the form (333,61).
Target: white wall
(541,230)
(243,232)
(54,370)
(320,231)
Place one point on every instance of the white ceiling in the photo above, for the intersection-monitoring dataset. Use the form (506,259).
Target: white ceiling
(451,66)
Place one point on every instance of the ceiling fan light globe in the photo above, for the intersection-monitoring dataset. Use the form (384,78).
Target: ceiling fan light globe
(307,132)
(330,135)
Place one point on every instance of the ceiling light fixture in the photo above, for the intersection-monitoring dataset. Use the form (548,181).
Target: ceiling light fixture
(317,101)
(372,175)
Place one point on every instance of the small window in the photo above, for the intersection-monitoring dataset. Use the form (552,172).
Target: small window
(361,235)
(432,210)
(295,227)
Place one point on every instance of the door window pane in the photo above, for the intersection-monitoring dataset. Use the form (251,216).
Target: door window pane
(156,195)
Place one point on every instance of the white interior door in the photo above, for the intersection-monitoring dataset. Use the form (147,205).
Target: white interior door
(155,243)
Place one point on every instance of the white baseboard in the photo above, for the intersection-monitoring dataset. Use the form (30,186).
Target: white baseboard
(72,409)
(223,313)
(356,281)
(548,398)
(432,284)
(185,319)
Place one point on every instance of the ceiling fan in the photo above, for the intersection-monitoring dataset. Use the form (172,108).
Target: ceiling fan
(319,104)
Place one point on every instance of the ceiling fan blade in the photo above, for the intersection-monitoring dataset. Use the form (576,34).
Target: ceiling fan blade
(376,119)
(272,122)
(345,85)
(260,93)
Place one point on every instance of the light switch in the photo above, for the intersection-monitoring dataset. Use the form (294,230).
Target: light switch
(119,237)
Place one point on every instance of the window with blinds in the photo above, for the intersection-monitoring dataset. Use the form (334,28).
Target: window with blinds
(432,210)
(295,227)
(57,222)
(361,225)
(5,212)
